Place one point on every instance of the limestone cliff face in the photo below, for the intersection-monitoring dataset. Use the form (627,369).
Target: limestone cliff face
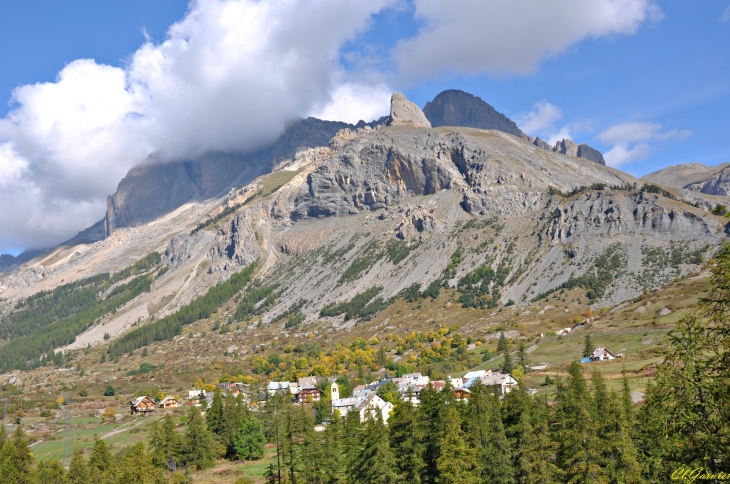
(154,189)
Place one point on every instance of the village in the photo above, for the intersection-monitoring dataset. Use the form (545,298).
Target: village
(365,399)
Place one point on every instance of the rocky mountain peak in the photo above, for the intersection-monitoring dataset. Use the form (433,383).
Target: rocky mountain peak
(458,108)
(405,113)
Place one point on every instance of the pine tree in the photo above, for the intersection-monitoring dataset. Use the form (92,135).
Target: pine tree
(507,365)
(249,440)
(8,469)
(233,411)
(333,459)
(200,449)
(457,462)
(580,451)
(535,449)
(522,354)
(22,459)
(485,433)
(50,472)
(136,466)
(502,345)
(78,471)
(588,347)
(375,464)
(618,454)
(430,418)
(686,416)
(214,415)
(101,465)
(406,440)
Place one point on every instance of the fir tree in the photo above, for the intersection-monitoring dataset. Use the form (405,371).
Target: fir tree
(457,462)
(214,415)
(136,466)
(406,441)
(588,347)
(101,465)
(535,449)
(580,451)
(50,472)
(430,413)
(485,433)
(233,411)
(502,345)
(507,365)
(686,416)
(375,464)
(78,471)
(249,440)
(522,354)
(200,449)
(21,458)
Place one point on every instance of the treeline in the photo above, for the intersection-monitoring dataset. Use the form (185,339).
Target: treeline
(595,186)
(171,326)
(51,319)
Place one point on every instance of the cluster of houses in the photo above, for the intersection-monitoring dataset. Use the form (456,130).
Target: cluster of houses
(145,404)
(365,399)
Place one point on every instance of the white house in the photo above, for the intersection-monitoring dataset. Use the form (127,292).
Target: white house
(504,383)
(275,387)
(563,332)
(372,405)
(601,354)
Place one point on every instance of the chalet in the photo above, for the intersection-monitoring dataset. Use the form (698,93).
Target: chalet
(308,392)
(168,402)
(141,405)
(196,396)
(503,383)
(601,354)
(462,394)
(563,332)
(372,406)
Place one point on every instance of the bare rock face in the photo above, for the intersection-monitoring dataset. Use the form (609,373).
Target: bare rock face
(607,214)
(567,147)
(458,108)
(717,184)
(415,221)
(405,113)
(683,175)
(154,189)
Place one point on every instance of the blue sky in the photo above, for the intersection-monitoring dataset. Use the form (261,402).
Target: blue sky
(99,85)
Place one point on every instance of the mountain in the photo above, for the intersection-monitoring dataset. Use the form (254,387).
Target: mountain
(153,189)
(9,262)
(392,207)
(682,175)
(458,108)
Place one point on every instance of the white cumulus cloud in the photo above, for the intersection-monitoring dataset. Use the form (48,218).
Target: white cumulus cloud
(630,141)
(540,121)
(228,76)
(495,36)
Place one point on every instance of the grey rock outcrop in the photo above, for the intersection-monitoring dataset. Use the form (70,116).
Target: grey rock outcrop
(154,189)
(405,113)
(458,108)
(567,147)
(683,175)
(717,184)
(497,173)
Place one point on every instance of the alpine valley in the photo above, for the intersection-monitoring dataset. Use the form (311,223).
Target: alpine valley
(361,251)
